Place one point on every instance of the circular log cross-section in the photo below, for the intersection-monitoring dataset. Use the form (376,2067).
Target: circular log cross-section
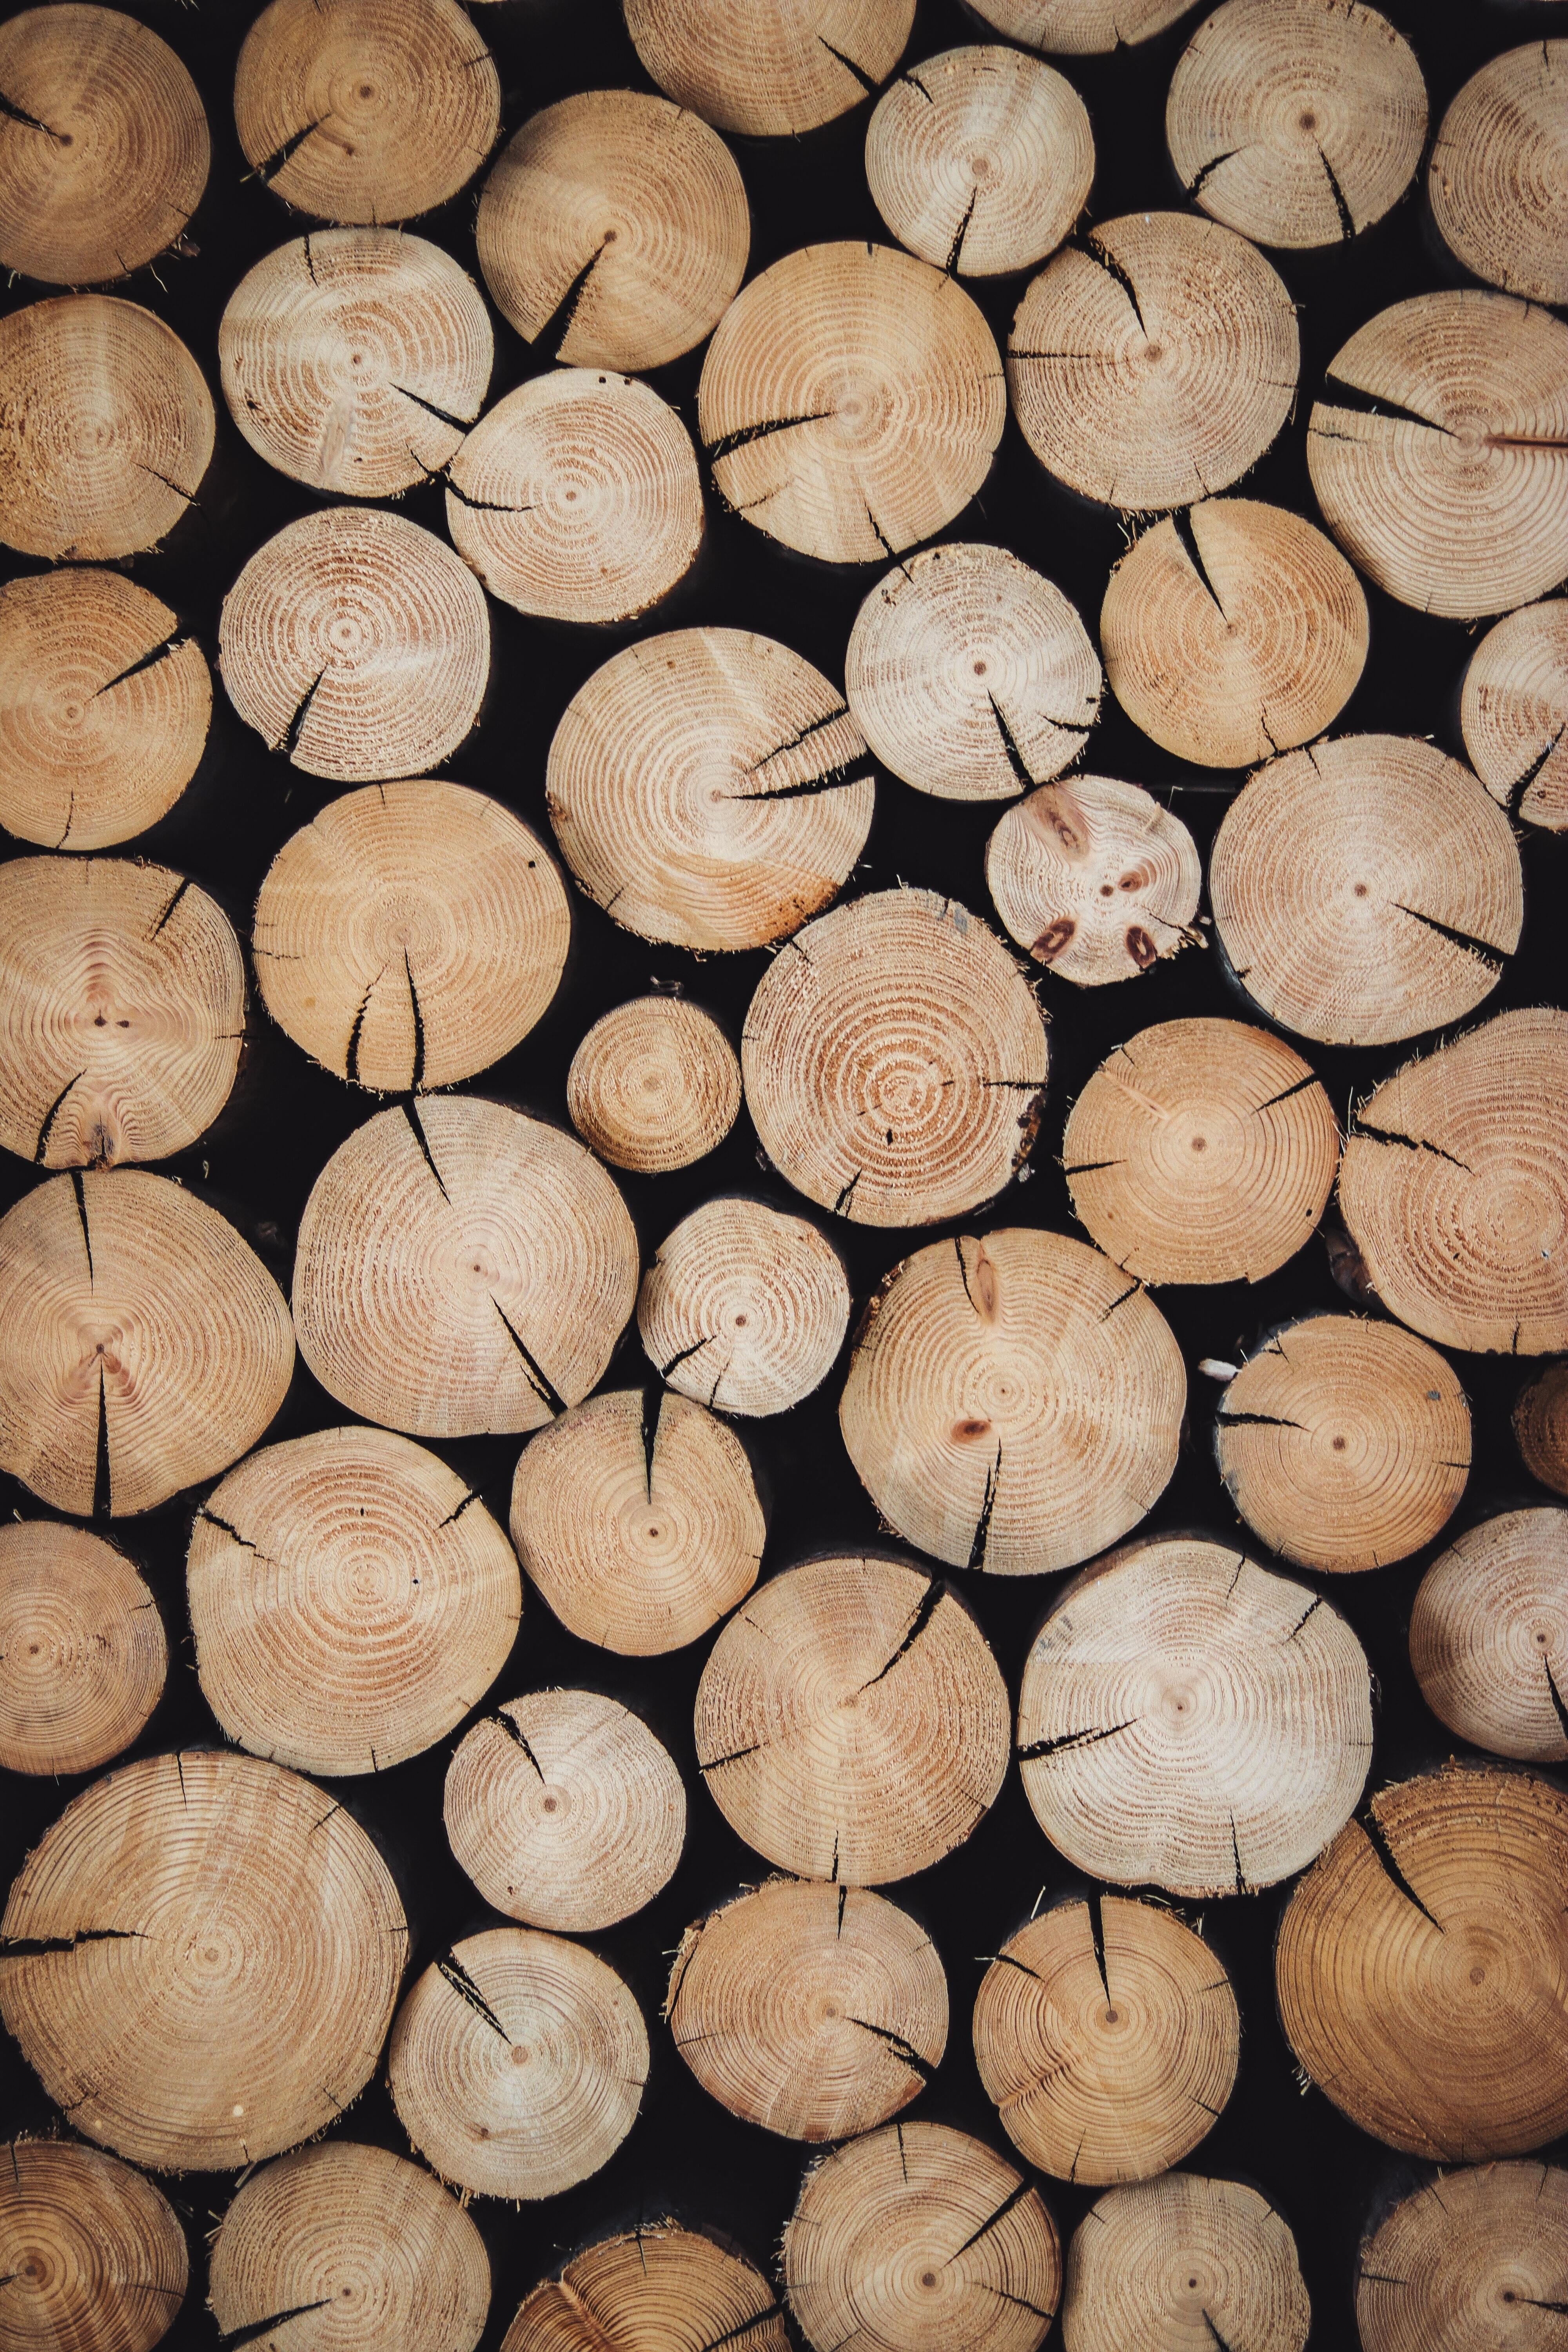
(352,359)
(656,2288)
(981,160)
(1497,179)
(1297,124)
(411,935)
(852,1722)
(577,498)
(971,674)
(1438,1925)
(640,1525)
(517,2064)
(710,788)
(1514,713)
(1096,878)
(851,401)
(1202,1150)
(801,63)
(1157,2261)
(1344,1444)
(357,645)
(565,1810)
(1541,1427)
(1489,1635)
(106,428)
(654,1086)
(919,2239)
(1193,1721)
(615,226)
(82,1651)
(147,1346)
(212,1953)
(1366,888)
(355,2246)
(1154,363)
(1481,2253)
(1080,28)
(389,1603)
(894,1066)
(462,1269)
(743,1308)
(365,110)
(1107,2037)
(93,2254)
(1436,451)
(1233,632)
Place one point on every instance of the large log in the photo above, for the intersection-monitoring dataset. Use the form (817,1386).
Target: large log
(82,1651)
(1513,710)
(654,1085)
(743,1308)
(1096,878)
(1489,1635)
(1482,2251)
(1166,2263)
(94,2256)
(1497,178)
(656,2288)
(800,64)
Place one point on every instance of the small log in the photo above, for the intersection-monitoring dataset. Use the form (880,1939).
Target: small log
(344,2240)
(1191,1720)
(615,227)
(105,419)
(411,935)
(971,1363)
(565,1810)
(1435,452)
(1056,860)
(1079,27)
(1486,2244)
(1201,1150)
(1513,710)
(517,2064)
(639,1522)
(658,2287)
(1343,1444)
(970,675)
(1237,632)
(356,644)
(351,1601)
(1154,363)
(654,1086)
(94,2253)
(1497,179)
(745,1308)
(82,1652)
(200,1960)
(147,1347)
(1155,2262)
(1297,125)
(815,2011)
(577,498)
(1419,1966)
(894,1066)
(1489,1618)
(774,76)
(852,1722)
(981,160)
(462,1269)
(1366,888)
(1541,1427)
(353,359)
(851,401)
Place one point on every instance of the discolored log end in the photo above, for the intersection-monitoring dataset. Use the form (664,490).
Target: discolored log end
(1486,2240)
(1159,2260)
(94,2253)
(82,1652)
(1541,1427)
(743,1308)
(803,64)
(1489,1635)
(658,2284)
(654,1086)
(1095,878)
(1497,179)
(1514,712)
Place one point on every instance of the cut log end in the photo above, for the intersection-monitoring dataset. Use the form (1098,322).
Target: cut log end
(1485,2238)
(1497,179)
(1095,878)
(656,2284)
(771,77)
(1080,28)
(94,2253)
(1513,710)
(654,1086)
(83,1656)
(1541,1427)
(1488,1636)
(1161,2260)
(743,1308)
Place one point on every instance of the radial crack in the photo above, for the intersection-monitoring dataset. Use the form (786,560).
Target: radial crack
(514,1731)
(1559,1707)
(727,443)
(1181,524)
(1494,958)
(100,1479)
(860,72)
(289,743)
(1096,251)
(929,1603)
(350,1059)
(1520,785)
(417,1079)
(1068,1739)
(463,1985)
(842,1204)
(53,1112)
(1378,1840)
(832,780)
(271,165)
(14,113)
(178,894)
(901,2048)
(734,1757)
(1409,1143)
(1285,1093)
(1256,1421)
(1357,402)
(956,247)
(1347,219)
(1097,1938)
(982,1535)
(1014,2197)
(147,661)
(537,1378)
(411,1113)
(812,727)
(1015,760)
(29,1947)
(442,415)
(1200,179)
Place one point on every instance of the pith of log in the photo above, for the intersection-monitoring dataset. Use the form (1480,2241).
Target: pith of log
(1096,878)
(83,1656)
(745,1308)
(654,1086)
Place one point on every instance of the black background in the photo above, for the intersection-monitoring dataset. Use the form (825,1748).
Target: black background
(686,2154)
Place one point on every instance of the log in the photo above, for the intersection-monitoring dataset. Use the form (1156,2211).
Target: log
(639,1521)
(1154,363)
(1201,1150)
(1541,1427)
(356,644)
(654,1086)
(1513,710)
(1107,2037)
(200,1960)
(852,1722)
(1079,27)
(1298,125)
(815,2011)
(1487,2245)
(565,1810)
(1366,888)
(352,359)
(411,935)
(1498,177)
(1233,632)
(104,709)
(1165,2258)
(1490,1614)
(658,2287)
(743,1308)
(615,226)
(1013,1403)
(1419,1966)
(1344,1444)
(773,76)
(82,1652)
(710,788)
(350,1599)
(147,1349)
(1055,860)
(1434,451)
(970,675)
(851,401)
(94,2253)
(517,2064)
(894,1066)
(345,2240)
(105,419)
(1190,1720)
(462,1269)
